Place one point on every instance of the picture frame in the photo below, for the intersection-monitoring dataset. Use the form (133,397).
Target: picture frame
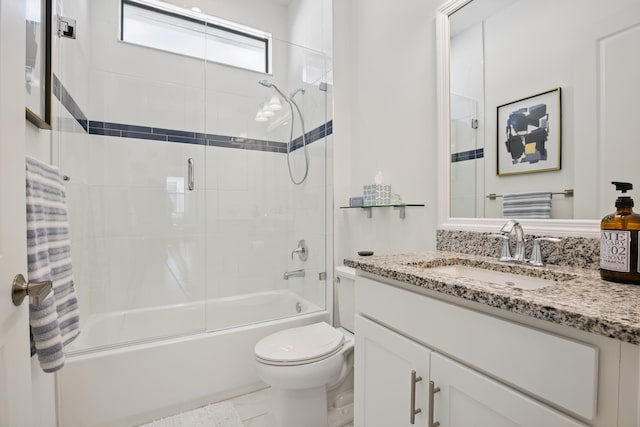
(529,134)
(38,75)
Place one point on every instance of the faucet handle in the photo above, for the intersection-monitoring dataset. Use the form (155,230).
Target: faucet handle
(536,252)
(302,250)
(505,254)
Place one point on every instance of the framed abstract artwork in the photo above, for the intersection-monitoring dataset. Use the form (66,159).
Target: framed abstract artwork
(529,134)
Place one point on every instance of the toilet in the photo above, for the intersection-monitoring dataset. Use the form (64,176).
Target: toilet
(301,364)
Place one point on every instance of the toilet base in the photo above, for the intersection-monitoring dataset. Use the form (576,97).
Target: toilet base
(295,408)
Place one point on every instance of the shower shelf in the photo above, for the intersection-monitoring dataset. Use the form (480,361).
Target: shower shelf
(400,206)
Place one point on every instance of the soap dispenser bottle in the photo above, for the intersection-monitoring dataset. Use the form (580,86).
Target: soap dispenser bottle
(619,240)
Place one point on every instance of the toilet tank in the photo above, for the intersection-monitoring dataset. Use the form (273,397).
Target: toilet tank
(345,300)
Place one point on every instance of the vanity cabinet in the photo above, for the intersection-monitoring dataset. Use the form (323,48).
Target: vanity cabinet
(387,366)
(490,370)
(467,398)
(391,377)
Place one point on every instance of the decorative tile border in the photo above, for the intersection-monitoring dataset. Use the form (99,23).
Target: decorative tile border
(69,103)
(180,136)
(467,155)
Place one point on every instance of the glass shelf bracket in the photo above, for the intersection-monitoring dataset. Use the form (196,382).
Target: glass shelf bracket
(401,207)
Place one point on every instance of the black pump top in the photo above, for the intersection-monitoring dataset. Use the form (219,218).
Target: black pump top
(623,201)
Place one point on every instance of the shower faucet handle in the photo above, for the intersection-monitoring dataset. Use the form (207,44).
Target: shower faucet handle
(302,250)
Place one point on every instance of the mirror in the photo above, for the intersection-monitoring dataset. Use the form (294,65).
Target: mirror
(498,62)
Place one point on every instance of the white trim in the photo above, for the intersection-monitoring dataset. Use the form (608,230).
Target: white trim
(564,227)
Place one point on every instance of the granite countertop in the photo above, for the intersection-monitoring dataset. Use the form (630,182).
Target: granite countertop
(579,300)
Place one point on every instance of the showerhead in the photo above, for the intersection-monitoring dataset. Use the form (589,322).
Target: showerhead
(267,83)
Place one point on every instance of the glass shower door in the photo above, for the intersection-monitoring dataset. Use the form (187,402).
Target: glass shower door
(256,215)
(136,190)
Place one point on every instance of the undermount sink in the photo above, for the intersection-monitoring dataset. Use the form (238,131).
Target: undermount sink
(516,281)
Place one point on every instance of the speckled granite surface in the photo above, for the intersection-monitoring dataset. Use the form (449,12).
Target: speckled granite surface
(581,252)
(579,299)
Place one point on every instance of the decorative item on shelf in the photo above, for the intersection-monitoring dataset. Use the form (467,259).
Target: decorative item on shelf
(356,201)
(377,194)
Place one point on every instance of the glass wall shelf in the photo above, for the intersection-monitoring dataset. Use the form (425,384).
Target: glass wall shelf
(400,206)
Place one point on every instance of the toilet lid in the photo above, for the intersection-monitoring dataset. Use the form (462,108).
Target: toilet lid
(297,346)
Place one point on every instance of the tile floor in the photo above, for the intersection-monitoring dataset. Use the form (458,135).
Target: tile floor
(252,408)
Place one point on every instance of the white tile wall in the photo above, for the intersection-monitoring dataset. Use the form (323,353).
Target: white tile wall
(138,244)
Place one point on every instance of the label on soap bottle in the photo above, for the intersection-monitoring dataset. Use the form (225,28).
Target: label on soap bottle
(615,250)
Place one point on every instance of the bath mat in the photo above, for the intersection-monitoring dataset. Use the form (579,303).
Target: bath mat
(216,415)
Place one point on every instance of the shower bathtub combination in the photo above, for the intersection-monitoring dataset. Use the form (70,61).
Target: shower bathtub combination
(189,185)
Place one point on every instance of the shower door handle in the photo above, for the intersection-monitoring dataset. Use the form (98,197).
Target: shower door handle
(190,176)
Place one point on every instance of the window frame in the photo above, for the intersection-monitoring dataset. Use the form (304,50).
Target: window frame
(206,23)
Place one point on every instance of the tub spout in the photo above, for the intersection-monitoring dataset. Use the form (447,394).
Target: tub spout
(294,273)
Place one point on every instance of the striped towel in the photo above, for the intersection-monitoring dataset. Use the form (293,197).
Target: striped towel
(54,323)
(527,205)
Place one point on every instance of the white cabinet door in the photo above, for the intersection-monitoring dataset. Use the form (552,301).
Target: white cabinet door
(467,398)
(384,362)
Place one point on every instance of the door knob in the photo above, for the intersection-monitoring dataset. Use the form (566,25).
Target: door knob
(37,291)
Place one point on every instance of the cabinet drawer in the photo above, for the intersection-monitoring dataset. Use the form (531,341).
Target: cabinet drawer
(556,369)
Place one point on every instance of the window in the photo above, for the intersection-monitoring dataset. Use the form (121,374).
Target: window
(165,27)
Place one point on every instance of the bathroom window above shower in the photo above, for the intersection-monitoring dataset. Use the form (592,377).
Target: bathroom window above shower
(160,25)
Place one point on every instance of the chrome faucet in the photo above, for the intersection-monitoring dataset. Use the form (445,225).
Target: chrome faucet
(294,273)
(512,226)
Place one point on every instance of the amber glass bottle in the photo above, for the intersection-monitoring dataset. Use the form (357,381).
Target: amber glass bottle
(619,241)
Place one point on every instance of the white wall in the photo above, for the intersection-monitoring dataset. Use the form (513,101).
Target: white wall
(385,120)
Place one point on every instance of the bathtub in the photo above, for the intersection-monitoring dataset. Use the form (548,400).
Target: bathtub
(136,383)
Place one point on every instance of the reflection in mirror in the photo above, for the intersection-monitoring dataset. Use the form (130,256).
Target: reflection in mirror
(502,51)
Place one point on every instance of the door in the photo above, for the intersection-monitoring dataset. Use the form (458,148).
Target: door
(15,365)
(384,362)
(467,398)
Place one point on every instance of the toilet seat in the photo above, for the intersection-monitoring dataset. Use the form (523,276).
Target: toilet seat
(300,346)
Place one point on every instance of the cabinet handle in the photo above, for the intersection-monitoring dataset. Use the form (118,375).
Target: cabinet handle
(432,390)
(412,415)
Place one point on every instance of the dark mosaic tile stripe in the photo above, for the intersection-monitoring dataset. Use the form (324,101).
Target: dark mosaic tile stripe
(185,140)
(174,132)
(141,135)
(129,128)
(107,132)
(69,103)
(467,155)
(313,135)
(123,130)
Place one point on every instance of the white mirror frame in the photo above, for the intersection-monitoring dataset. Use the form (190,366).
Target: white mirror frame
(558,227)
